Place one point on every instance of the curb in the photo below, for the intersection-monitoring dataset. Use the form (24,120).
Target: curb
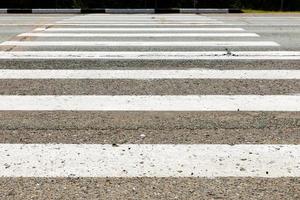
(121,11)
(130,11)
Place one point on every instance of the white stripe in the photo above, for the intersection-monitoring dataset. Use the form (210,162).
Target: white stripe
(12,17)
(150,74)
(138,35)
(93,160)
(169,24)
(124,24)
(256,17)
(121,21)
(135,29)
(152,103)
(141,44)
(132,20)
(143,24)
(115,20)
(274,19)
(162,24)
(153,55)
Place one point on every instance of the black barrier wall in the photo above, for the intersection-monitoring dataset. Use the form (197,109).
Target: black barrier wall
(243,4)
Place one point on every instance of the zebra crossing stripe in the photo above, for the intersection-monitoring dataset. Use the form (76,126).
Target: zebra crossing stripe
(135,29)
(138,35)
(141,44)
(149,160)
(124,24)
(152,55)
(120,23)
(150,74)
(152,103)
(112,21)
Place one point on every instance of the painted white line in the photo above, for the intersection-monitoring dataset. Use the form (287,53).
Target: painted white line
(256,17)
(138,35)
(12,16)
(141,20)
(161,24)
(150,74)
(141,44)
(274,19)
(112,25)
(152,55)
(152,103)
(112,21)
(166,24)
(149,160)
(132,20)
(135,29)
(147,24)
(144,23)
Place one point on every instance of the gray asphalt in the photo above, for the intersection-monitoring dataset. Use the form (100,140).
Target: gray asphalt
(158,127)
(149,87)
(33,127)
(150,188)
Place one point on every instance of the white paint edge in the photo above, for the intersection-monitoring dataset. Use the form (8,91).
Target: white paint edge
(149,160)
(142,44)
(152,103)
(138,35)
(135,29)
(151,74)
(151,55)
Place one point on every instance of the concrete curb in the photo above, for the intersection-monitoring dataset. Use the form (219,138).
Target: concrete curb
(56,11)
(121,11)
(129,11)
(187,10)
(3,11)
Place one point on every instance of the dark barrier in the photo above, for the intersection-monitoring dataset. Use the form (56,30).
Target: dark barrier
(159,4)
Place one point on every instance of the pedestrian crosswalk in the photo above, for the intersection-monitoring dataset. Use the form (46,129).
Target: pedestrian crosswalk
(134,38)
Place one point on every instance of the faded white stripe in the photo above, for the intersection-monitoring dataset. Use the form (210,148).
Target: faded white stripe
(122,24)
(135,29)
(107,21)
(153,55)
(152,103)
(92,160)
(141,44)
(145,24)
(150,74)
(138,35)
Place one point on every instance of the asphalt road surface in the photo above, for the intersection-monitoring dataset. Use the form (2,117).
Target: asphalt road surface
(169,106)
